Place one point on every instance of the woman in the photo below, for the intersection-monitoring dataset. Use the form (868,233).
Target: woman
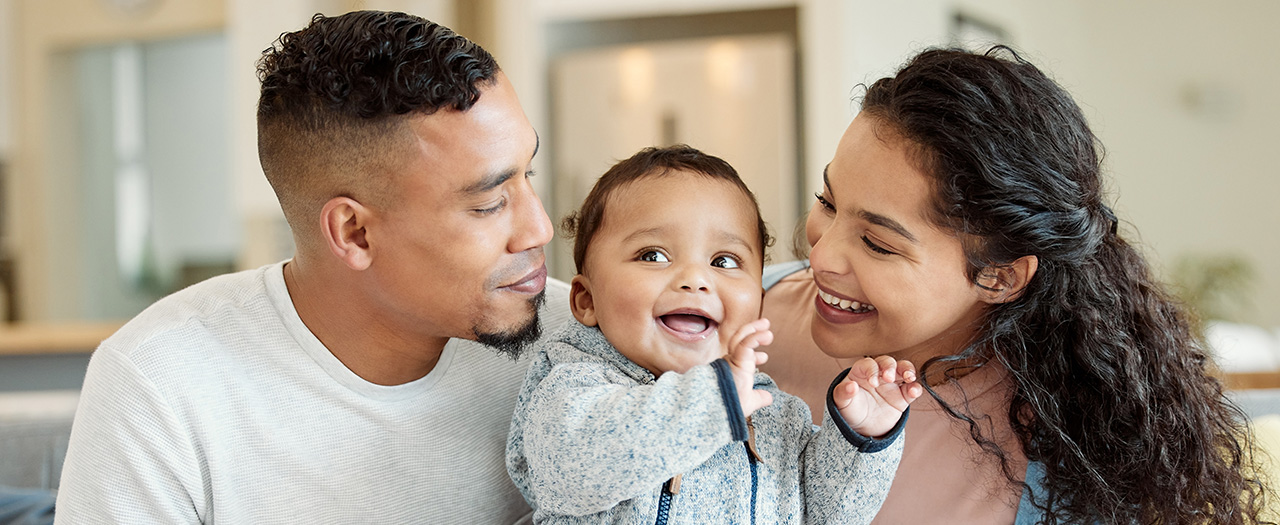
(962,226)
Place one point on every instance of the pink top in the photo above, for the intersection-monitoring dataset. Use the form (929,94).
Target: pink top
(944,477)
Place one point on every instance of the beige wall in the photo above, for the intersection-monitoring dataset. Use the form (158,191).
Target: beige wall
(6,77)
(1180,92)
(1184,95)
(39,235)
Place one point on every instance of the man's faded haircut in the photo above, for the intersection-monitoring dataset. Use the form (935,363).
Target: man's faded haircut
(336,96)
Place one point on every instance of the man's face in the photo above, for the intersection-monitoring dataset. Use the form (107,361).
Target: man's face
(458,250)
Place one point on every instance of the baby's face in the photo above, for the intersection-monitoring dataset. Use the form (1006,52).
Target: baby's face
(674,270)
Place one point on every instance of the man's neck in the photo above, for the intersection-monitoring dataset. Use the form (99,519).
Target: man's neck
(335,311)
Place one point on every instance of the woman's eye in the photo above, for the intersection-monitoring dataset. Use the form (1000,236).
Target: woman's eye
(826,204)
(875,247)
(725,261)
(653,256)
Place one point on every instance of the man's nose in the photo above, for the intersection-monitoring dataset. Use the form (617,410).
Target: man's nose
(532,228)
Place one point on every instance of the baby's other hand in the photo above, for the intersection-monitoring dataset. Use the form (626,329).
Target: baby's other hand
(743,360)
(870,398)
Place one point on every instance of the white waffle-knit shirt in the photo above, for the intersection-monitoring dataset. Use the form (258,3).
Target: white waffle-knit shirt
(217,405)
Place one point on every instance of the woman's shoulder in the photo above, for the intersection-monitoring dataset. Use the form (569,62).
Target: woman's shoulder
(790,270)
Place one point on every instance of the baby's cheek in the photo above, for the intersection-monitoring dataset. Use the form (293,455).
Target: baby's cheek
(745,304)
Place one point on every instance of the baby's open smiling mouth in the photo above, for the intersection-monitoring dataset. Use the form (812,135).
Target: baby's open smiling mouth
(688,326)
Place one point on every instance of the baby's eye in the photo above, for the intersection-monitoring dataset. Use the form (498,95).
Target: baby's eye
(725,261)
(653,256)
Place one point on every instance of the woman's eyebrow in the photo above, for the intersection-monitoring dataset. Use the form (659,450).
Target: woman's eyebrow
(876,218)
(881,220)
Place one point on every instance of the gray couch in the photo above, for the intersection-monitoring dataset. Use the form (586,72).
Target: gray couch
(34,427)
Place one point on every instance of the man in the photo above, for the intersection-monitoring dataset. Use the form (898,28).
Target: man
(340,386)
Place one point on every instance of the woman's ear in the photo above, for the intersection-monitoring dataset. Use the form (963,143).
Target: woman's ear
(343,223)
(580,301)
(1001,284)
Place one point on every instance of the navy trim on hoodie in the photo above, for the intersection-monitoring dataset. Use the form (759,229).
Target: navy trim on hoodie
(729,392)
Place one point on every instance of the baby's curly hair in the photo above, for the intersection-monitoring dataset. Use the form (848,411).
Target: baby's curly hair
(582,225)
(335,96)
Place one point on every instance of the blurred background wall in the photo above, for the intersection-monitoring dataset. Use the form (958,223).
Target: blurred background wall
(128,163)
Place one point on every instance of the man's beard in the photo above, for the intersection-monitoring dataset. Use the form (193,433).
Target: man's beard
(512,343)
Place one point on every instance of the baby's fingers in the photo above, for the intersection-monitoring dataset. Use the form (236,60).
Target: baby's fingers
(866,372)
(753,334)
(888,368)
(907,371)
(911,392)
(845,392)
(755,400)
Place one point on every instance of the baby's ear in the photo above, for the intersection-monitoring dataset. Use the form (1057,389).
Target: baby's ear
(1001,284)
(581,302)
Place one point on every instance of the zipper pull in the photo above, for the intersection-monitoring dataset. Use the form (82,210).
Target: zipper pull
(751,441)
(673,485)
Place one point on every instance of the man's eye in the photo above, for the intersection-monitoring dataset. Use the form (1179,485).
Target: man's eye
(492,209)
(653,256)
(725,261)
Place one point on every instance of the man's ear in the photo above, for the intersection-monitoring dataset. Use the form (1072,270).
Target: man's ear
(1001,284)
(580,301)
(342,224)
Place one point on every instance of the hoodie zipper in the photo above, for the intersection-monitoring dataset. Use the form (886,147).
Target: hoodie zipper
(753,458)
(672,486)
(669,491)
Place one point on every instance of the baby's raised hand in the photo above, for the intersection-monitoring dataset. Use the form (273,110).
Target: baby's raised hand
(870,398)
(743,360)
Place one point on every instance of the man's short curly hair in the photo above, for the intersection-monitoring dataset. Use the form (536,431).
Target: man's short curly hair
(336,94)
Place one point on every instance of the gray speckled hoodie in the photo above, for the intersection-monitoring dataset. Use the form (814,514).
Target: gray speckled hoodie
(595,439)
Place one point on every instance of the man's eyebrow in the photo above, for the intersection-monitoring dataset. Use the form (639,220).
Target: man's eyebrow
(876,218)
(493,180)
(488,182)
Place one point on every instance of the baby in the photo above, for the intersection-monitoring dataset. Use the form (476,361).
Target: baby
(648,408)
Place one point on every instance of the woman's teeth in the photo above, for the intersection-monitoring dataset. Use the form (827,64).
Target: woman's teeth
(845,304)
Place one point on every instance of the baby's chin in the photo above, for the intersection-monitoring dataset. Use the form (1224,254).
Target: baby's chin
(681,358)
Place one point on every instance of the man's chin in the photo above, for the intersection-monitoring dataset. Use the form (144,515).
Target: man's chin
(511,342)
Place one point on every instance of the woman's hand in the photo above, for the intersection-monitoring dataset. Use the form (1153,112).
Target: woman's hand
(743,360)
(871,399)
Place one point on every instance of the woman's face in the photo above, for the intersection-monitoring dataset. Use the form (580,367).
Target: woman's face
(889,280)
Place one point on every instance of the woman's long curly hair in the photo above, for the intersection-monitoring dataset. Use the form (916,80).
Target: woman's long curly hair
(1109,385)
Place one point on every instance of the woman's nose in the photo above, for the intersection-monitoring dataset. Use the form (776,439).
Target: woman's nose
(826,256)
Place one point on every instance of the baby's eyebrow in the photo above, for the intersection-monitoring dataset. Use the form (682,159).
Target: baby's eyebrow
(729,237)
(647,232)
